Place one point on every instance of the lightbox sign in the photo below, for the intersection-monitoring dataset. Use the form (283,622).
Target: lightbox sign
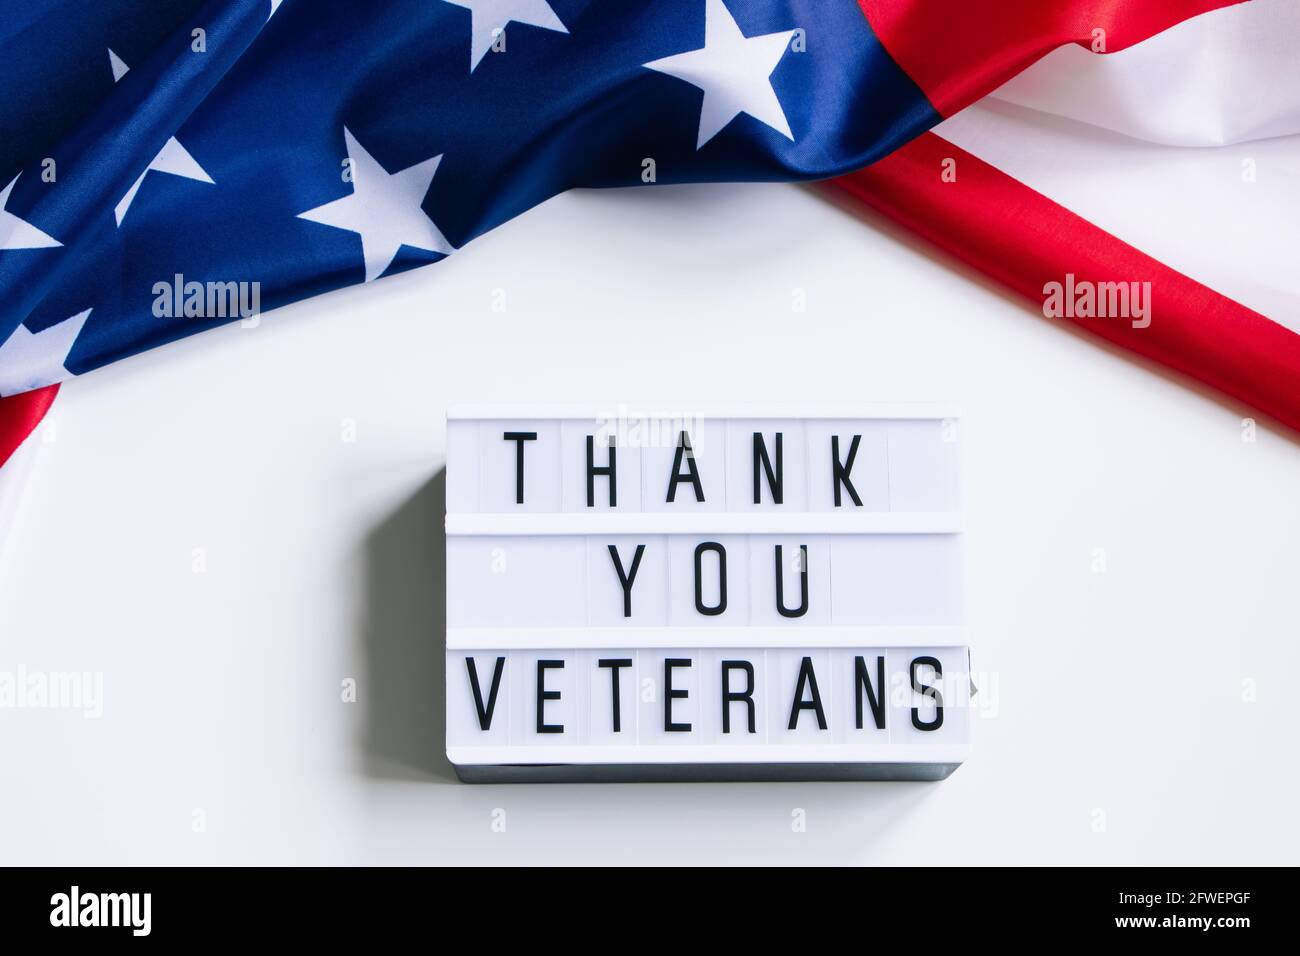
(725,595)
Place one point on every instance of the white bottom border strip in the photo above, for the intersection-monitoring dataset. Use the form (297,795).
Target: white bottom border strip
(710,754)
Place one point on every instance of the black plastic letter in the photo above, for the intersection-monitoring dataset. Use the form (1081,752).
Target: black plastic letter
(730,696)
(671,694)
(614,663)
(609,471)
(874,698)
(841,472)
(802,609)
(543,695)
(807,679)
(925,690)
(519,438)
(684,452)
(626,578)
(722,579)
(774,476)
(485,713)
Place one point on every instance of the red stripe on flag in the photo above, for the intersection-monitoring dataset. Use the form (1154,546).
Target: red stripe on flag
(1024,240)
(19,416)
(959,50)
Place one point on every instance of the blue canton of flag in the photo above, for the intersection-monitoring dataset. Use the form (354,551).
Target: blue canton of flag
(159,158)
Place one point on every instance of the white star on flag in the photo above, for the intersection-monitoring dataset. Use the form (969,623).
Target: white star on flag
(35,359)
(120,69)
(385,209)
(17,233)
(172,158)
(488,17)
(734,72)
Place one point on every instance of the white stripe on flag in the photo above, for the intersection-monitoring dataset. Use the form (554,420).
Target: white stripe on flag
(1227,216)
(1228,76)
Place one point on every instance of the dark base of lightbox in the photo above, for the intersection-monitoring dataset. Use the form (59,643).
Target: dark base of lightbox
(699,772)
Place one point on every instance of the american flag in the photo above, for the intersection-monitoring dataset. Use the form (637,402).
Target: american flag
(171,165)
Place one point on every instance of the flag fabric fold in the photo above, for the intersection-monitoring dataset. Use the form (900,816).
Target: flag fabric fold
(189,163)
(1027,242)
(1227,76)
(252,156)
(958,51)
(167,167)
(19,416)
(1034,188)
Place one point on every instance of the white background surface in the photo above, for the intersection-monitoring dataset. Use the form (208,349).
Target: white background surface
(1119,695)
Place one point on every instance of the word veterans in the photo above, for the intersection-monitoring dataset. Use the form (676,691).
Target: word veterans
(918,691)
(699,599)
